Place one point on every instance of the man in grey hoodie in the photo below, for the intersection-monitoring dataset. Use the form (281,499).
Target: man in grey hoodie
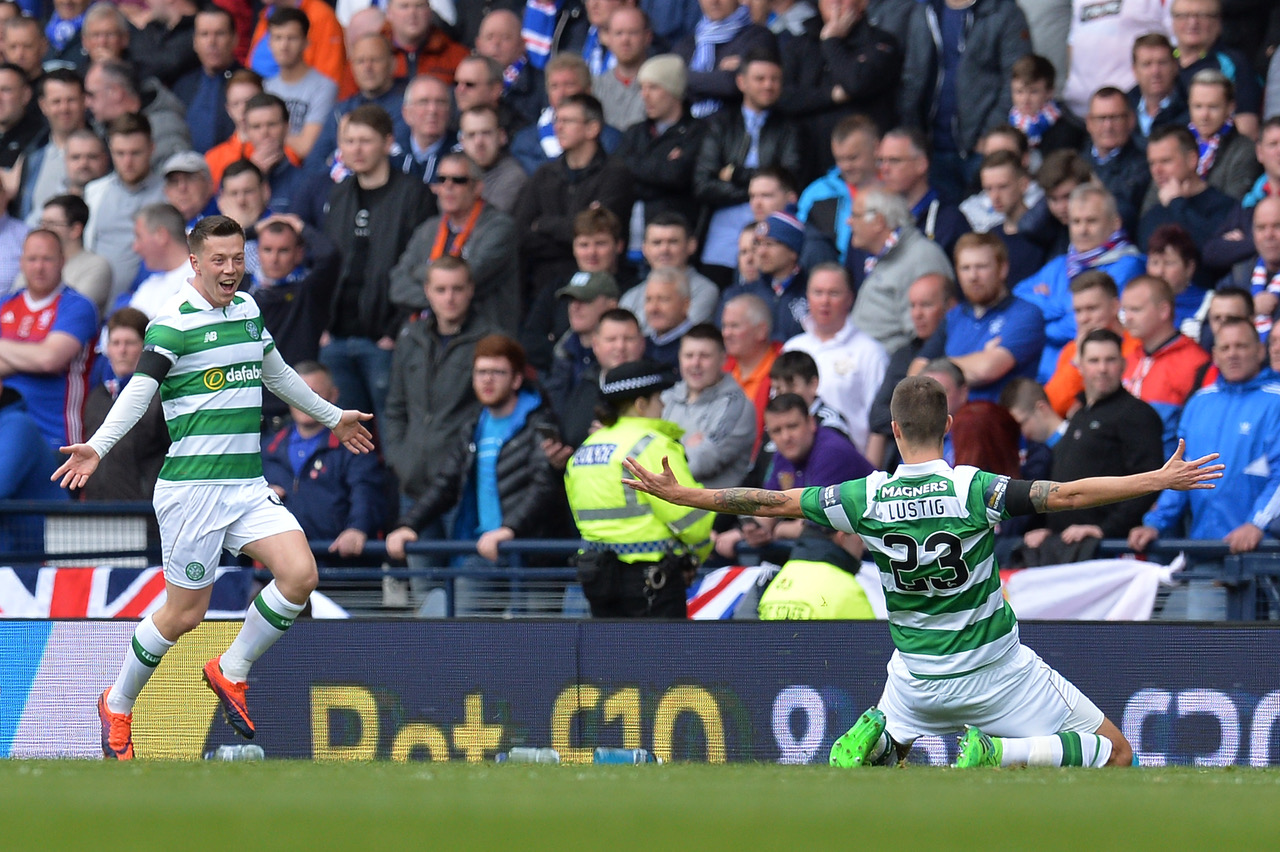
(719,421)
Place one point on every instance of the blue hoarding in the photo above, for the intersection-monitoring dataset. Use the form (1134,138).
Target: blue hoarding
(726,691)
(742,691)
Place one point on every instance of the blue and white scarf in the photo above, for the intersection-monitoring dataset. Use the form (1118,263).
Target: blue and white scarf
(547,134)
(1079,261)
(1263,282)
(599,58)
(1036,125)
(539,28)
(1208,147)
(60,32)
(707,34)
(870,263)
(512,72)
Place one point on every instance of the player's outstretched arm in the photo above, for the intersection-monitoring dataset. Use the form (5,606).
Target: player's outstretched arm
(125,412)
(351,432)
(75,471)
(1177,474)
(736,501)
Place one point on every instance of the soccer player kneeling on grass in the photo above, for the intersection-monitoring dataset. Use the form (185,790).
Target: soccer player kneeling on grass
(209,355)
(958,662)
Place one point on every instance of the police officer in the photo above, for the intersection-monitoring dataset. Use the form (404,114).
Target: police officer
(818,581)
(640,549)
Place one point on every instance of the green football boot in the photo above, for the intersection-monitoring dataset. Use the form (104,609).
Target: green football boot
(855,746)
(978,749)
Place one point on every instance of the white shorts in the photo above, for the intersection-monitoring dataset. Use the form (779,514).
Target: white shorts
(198,520)
(1018,697)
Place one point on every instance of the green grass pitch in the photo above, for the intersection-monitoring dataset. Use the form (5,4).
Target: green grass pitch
(285,805)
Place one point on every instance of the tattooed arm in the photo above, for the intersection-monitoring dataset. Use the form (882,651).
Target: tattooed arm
(1177,474)
(735,501)
(757,501)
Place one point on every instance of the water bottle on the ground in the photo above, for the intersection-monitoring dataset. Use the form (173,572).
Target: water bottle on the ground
(236,752)
(529,755)
(623,755)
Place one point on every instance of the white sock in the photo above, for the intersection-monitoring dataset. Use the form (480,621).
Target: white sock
(269,617)
(879,749)
(144,654)
(1065,749)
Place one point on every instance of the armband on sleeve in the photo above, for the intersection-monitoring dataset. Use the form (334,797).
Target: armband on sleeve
(153,364)
(1017,498)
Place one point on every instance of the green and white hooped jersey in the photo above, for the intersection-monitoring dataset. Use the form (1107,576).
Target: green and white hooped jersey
(212,395)
(929,529)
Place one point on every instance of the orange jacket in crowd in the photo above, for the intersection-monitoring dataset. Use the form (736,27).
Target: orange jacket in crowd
(225,153)
(326,52)
(1066,382)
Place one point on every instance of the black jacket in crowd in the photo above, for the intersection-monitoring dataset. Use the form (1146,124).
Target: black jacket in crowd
(1220,254)
(529,489)
(1067,132)
(866,63)
(525,98)
(1044,230)
(297,313)
(996,35)
(430,400)
(550,200)
(578,408)
(130,470)
(1175,112)
(1200,214)
(570,34)
(661,165)
(31,132)
(403,205)
(163,52)
(1118,435)
(727,142)
(1127,176)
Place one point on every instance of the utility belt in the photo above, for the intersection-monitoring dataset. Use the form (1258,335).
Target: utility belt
(609,583)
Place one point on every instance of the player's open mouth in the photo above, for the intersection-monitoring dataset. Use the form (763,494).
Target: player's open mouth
(227,286)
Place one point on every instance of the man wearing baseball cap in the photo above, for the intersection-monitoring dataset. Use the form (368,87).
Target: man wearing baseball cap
(188,186)
(588,296)
(641,551)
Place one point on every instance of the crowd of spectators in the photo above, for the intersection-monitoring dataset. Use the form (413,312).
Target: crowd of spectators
(461,215)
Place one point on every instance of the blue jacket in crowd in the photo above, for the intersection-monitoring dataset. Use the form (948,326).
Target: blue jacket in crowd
(1050,291)
(334,490)
(26,463)
(1241,422)
(830,187)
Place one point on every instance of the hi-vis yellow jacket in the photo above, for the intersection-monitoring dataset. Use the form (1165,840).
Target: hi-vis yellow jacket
(636,526)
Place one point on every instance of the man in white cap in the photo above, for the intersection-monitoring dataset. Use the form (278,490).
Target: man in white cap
(660,152)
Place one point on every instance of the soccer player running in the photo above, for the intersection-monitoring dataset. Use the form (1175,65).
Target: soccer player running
(958,661)
(210,356)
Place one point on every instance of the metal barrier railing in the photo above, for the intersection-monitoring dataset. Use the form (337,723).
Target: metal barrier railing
(1251,580)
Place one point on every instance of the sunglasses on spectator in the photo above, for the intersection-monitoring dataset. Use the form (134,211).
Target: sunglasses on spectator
(457,180)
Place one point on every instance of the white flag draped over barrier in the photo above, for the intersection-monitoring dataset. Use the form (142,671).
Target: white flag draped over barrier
(1096,590)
